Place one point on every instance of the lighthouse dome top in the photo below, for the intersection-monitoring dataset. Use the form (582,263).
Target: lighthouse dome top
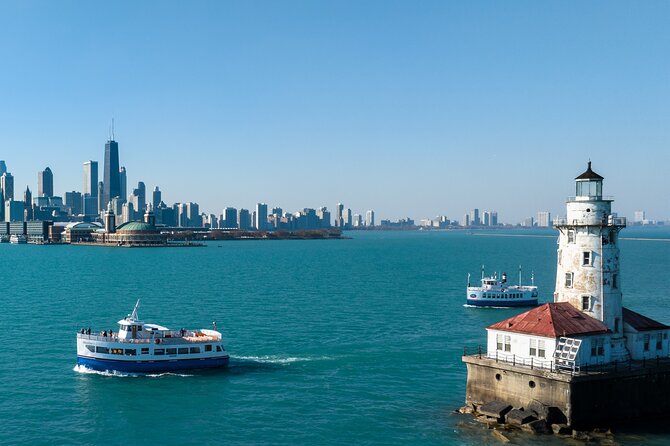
(589,174)
(589,185)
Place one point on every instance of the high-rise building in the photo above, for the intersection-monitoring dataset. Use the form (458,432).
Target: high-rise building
(370,218)
(243,220)
(544,219)
(73,200)
(261,221)
(465,221)
(347,219)
(90,178)
(101,197)
(494,218)
(123,184)
(474,217)
(14,210)
(193,217)
(3,167)
(339,217)
(640,216)
(141,197)
(28,200)
(156,197)
(7,186)
(45,183)
(229,220)
(111,175)
(324,216)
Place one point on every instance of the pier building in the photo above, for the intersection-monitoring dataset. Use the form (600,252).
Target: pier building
(584,354)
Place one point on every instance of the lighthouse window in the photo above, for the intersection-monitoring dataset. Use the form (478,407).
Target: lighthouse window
(571,236)
(586,303)
(533,347)
(646,343)
(586,258)
(568,279)
(508,344)
(499,342)
(540,349)
(659,341)
(615,279)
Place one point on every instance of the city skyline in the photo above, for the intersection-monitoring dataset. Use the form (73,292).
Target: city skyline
(414,110)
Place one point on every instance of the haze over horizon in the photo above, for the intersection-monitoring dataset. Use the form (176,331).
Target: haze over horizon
(410,109)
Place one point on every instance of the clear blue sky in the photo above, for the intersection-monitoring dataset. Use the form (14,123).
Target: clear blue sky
(410,108)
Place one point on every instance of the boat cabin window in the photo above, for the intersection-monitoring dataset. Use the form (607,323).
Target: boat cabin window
(90,348)
(208,348)
(218,348)
(99,349)
(145,350)
(183,351)
(194,350)
(131,352)
(159,351)
(171,351)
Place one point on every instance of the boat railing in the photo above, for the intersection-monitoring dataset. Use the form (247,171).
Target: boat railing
(174,338)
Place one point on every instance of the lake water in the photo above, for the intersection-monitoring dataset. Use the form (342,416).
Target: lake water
(332,341)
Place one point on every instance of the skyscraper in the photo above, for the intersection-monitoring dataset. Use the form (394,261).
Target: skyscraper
(111,176)
(261,216)
(544,219)
(28,200)
(101,200)
(90,193)
(73,200)
(141,197)
(370,218)
(229,220)
(339,221)
(474,217)
(156,198)
(3,167)
(7,186)
(243,219)
(123,184)
(45,183)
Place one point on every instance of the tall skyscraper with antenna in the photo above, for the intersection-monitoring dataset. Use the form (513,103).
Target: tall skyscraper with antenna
(111,176)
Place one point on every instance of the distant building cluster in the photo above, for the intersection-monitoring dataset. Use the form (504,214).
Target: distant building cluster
(97,200)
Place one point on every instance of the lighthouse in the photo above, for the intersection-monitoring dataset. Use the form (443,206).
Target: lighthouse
(584,354)
(587,272)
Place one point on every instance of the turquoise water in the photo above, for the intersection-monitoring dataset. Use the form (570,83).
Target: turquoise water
(332,341)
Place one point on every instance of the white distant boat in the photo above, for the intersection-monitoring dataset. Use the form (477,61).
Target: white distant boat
(139,347)
(496,292)
(18,239)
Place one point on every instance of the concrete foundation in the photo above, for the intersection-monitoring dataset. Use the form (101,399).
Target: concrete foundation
(589,399)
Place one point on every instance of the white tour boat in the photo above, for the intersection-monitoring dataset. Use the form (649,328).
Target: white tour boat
(496,292)
(139,347)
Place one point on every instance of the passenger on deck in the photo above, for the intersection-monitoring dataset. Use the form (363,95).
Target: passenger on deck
(104,333)
(88,331)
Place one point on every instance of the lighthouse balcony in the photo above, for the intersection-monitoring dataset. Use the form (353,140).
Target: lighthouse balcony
(590,198)
(608,221)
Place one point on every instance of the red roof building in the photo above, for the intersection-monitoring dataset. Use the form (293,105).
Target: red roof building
(552,320)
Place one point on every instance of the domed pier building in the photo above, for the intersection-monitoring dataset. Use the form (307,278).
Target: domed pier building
(584,354)
(132,233)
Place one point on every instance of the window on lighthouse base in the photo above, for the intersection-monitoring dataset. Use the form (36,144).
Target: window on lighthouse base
(568,279)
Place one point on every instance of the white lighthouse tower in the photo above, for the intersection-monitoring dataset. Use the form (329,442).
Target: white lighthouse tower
(587,273)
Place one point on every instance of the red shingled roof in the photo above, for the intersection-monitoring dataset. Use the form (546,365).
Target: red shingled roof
(552,321)
(641,323)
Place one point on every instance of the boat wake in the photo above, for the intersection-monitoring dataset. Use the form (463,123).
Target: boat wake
(86,371)
(275,359)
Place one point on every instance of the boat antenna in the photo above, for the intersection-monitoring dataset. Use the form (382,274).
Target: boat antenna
(482,272)
(532,278)
(468,279)
(133,315)
(519,275)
